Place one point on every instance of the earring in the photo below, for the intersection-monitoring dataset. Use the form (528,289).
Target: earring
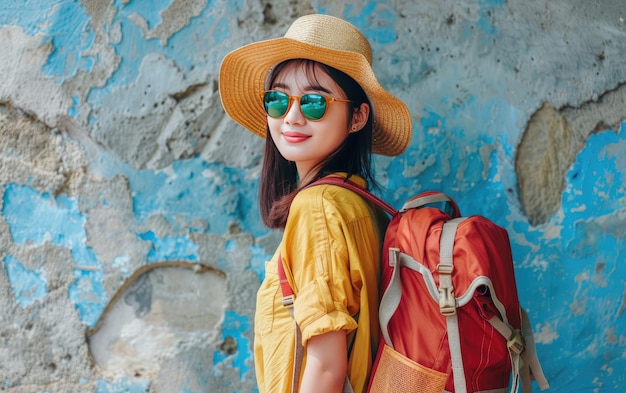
(354,128)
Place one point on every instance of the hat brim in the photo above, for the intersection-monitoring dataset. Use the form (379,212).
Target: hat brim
(242,78)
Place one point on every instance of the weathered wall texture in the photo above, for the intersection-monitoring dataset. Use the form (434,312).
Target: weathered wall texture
(130,246)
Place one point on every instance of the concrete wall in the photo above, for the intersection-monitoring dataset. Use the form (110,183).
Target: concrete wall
(130,245)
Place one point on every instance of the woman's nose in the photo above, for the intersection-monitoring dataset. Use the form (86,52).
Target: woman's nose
(294,114)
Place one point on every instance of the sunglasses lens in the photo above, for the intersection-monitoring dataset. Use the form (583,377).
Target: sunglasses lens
(276,103)
(313,106)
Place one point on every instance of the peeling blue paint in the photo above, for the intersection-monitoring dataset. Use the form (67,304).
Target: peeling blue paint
(28,285)
(151,14)
(170,248)
(465,175)
(64,23)
(73,111)
(383,32)
(181,195)
(68,24)
(60,223)
(231,245)
(85,256)
(127,70)
(59,220)
(187,46)
(88,295)
(235,326)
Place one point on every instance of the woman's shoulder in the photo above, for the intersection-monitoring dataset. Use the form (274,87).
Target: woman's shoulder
(331,198)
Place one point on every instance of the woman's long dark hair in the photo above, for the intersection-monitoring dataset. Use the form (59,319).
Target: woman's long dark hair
(279,177)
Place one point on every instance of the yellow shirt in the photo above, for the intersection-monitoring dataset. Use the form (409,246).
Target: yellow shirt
(331,254)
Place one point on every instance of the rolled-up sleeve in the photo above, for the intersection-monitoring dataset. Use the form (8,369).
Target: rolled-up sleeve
(329,241)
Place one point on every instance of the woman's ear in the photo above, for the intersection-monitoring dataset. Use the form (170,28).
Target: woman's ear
(359,117)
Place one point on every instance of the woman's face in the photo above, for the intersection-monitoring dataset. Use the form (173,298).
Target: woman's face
(298,139)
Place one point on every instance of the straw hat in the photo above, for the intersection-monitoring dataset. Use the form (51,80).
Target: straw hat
(328,40)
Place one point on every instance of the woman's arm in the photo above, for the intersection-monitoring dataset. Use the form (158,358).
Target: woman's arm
(326,364)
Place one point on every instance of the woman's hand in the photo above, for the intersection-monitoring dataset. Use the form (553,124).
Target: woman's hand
(326,364)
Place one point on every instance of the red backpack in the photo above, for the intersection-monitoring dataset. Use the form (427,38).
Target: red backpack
(449,313)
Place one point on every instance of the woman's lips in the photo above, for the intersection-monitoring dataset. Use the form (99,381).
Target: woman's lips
(295,137)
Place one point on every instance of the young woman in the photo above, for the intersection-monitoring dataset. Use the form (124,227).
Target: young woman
(313,96)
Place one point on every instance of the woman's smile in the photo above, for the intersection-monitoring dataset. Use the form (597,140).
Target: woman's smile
(295,137)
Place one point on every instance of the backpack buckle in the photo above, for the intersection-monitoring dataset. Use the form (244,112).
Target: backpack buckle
(516,343)
(288,301)
(445,268)
(447,303)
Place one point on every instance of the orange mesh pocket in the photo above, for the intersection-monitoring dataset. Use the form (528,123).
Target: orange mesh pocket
(397,373)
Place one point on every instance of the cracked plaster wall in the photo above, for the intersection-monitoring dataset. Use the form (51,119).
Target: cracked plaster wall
(116,158)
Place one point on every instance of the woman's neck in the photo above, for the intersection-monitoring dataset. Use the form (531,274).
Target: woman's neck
(306,178)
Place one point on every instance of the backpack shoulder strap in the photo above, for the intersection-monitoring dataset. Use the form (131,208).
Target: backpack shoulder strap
(421,200)
(429,197)
(345,183)
(284,283)
(447,302)
(523,351)
(531,368)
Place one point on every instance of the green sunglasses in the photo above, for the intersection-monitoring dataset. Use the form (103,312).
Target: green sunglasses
(313,106)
